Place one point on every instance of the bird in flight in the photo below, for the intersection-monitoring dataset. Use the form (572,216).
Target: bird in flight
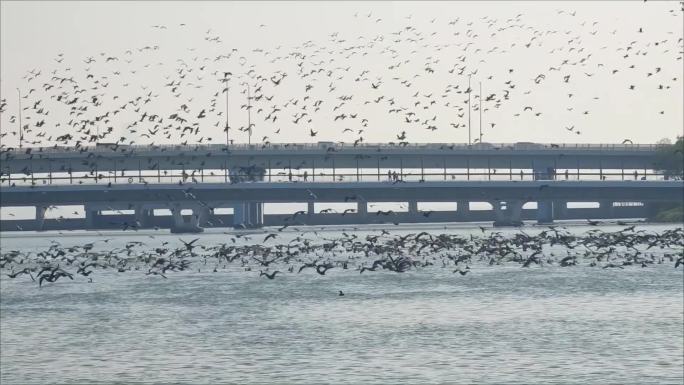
(269,276)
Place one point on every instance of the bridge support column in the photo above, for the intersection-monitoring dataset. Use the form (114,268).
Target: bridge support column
(544,207)
(256,214)
(203,215)
(177,216)
(143,216)
(310,208)
(560,209)
(413,207)
(40,217)
(463,210)
(507,213)
(92,217)
(248,215)
(240,215)
(544,212)
(183,225)
(362,208)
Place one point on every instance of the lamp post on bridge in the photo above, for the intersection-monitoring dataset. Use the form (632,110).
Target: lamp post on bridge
(21,129)
(481,105)
(227,89)
(249,113)
(469,108)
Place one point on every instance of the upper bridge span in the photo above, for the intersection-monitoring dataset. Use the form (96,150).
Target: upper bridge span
(112,158)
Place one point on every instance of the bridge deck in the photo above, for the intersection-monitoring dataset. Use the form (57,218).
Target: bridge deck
(448,191)
(329,155)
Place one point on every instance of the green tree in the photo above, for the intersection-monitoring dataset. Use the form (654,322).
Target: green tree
(670,158)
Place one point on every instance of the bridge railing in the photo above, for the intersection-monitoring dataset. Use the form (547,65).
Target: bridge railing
(341,176)
(522,146)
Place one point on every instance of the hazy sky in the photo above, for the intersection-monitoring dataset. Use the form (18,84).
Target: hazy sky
(388,67)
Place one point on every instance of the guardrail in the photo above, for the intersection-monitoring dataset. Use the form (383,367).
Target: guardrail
(285,177)
(521,146)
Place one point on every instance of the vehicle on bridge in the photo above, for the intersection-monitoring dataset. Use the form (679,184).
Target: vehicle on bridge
(247,174)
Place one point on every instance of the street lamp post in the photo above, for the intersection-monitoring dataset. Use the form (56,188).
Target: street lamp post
(249,113)
(481,105)
(469,108)
(227,89)
(21,129)
(227,124)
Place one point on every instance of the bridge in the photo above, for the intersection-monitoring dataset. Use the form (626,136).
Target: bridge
(112,162)
(204,178)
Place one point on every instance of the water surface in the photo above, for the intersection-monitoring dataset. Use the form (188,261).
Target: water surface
(498,324)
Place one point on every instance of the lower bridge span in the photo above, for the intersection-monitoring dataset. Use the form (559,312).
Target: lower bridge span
(246,199)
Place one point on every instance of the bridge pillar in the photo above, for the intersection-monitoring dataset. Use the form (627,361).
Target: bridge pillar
(181,225)
(261,214)
(507,213)
(362,207)
(256,214)
(248,215)
(463,209)
(310,208)
(240,215)
(40,217)
(560,209)
(544,207)
(177,216)
(92,217)
(143,216)
(544,212)
(203,215)
(413,207)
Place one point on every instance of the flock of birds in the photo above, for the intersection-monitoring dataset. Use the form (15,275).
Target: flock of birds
(376,252)
(414,79)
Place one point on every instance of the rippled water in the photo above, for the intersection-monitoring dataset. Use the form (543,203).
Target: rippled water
(499,324)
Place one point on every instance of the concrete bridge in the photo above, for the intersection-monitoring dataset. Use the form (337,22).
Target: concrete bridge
(202,179)
(156,164)
(247,199)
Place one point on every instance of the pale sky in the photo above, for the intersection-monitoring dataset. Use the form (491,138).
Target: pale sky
(572,62)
